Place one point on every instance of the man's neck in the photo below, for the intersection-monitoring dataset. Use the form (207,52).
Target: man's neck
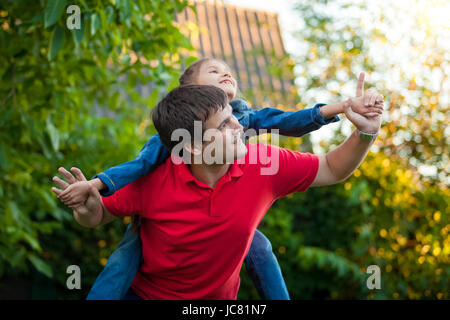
(209,174)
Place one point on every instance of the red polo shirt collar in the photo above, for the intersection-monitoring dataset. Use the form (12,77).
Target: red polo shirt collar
(186,175)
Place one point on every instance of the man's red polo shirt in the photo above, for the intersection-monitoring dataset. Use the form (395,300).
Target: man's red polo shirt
(195,238)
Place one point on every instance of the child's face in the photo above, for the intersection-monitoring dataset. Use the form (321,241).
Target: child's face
(218,74)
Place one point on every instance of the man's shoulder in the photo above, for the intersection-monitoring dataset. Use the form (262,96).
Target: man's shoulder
(265,151)
(259,154)
(158,173)
(266,155)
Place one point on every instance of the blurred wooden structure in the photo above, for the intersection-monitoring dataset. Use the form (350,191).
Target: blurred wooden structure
(250,42)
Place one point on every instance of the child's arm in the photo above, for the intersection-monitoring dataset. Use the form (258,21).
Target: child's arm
(290,123)
(295,123)
(151,155)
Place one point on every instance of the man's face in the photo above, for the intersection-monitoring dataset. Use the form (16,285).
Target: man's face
(225,135)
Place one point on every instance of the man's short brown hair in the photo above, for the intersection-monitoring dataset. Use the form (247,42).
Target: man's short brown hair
(184,105)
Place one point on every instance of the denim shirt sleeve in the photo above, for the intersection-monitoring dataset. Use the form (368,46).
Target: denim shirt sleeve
(241,110)
(151,155)
(318,118)
(289,123)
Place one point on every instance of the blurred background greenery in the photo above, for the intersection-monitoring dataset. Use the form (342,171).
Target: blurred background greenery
(69,98)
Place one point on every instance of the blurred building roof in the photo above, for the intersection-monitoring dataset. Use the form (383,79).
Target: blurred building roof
(250,42)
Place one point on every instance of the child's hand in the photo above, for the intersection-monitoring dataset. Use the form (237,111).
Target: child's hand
(369,105)
(77,192)
(89,212)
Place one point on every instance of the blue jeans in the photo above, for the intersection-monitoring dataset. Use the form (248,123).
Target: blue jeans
(115,280)
(263,268)
(131,295)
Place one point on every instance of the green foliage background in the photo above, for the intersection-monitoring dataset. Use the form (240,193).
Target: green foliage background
(69,98)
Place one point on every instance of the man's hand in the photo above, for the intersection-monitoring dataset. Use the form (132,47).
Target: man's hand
(338,164)
(371,122)
(89,210)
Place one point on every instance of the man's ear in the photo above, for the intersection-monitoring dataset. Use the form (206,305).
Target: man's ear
(194,148)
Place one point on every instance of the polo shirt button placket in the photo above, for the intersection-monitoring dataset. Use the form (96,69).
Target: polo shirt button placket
(211,202)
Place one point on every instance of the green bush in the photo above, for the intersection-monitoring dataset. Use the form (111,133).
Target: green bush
(50,80)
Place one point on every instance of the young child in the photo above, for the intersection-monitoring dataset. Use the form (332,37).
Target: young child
(263,268)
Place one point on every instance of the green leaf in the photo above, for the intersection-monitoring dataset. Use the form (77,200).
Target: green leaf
(37,17)
(132,80)
(190,60)
(78,34)
(109,14)
(113,100)
(138,20)
(53,11)
(53,133)
(61,214)
(41,266)
(152,99)
(15,212)
(95,23)
(172,84)
(34,243)
(56,42)
(51,205)
(3,162)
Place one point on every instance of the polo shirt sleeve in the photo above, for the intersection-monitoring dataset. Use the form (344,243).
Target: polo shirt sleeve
(125,201)
(296,171)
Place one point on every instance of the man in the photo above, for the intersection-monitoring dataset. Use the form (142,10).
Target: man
(198,219)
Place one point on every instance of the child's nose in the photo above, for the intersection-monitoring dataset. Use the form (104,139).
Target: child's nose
(237,125)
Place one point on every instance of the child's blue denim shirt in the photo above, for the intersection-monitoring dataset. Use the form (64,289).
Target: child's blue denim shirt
(116,278)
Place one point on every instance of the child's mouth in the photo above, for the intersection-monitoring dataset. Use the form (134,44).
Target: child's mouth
(226,81)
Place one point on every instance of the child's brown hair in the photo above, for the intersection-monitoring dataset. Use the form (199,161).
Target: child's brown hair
(189,75)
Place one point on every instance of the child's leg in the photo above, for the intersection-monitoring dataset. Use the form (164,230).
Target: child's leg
(115,279)
(263,268)
(131,295)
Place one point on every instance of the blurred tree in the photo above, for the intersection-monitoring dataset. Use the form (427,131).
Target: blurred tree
(50,80)
(393,212)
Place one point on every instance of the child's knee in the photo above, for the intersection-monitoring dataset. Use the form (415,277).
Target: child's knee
(261,244)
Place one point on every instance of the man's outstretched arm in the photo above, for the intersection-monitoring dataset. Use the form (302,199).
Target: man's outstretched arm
(340,163)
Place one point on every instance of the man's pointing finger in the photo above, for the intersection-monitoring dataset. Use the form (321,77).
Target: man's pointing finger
(360,85)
